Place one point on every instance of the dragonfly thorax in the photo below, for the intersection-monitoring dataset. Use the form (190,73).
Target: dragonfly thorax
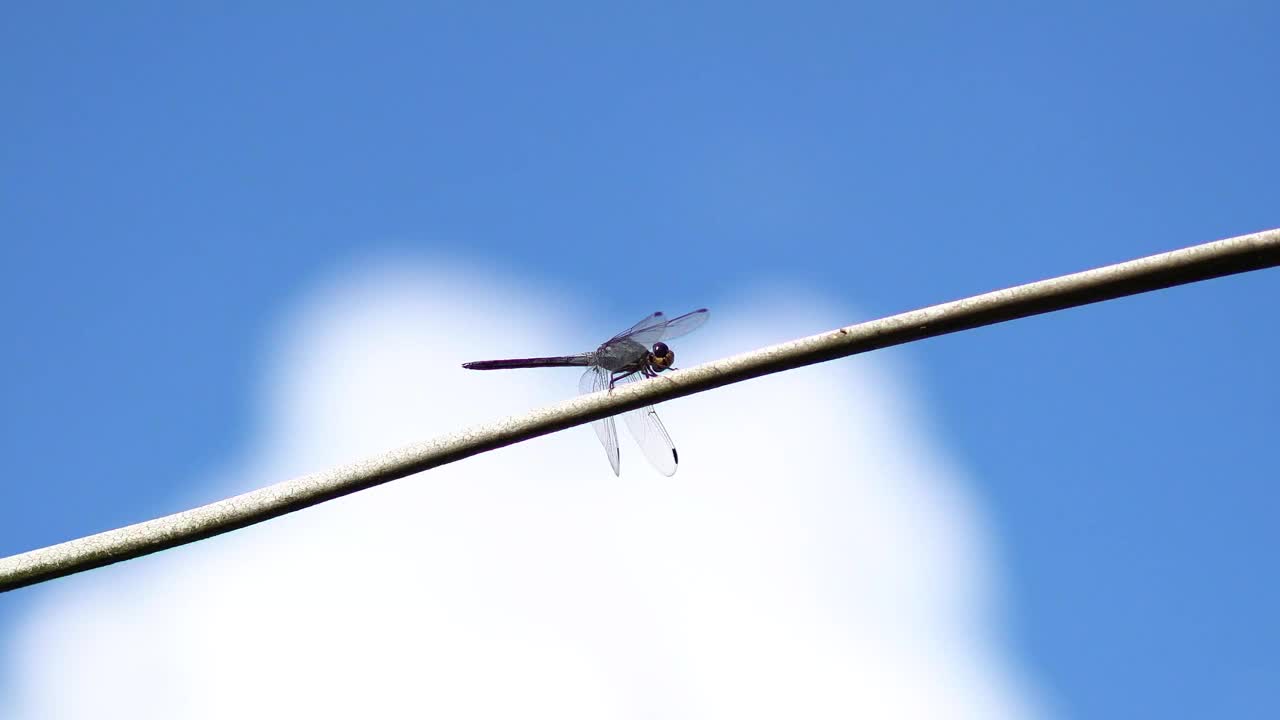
(620,355)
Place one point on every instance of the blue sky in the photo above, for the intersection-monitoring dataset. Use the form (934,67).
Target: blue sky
(173,182)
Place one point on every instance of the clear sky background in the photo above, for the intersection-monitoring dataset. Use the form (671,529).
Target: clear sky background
(182,190)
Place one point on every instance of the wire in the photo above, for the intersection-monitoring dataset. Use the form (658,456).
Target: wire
(1193,264)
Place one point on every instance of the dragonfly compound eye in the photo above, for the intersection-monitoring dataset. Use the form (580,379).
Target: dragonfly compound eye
(663,358)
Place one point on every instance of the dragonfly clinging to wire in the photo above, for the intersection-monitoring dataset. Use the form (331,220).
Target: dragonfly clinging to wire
(636,353)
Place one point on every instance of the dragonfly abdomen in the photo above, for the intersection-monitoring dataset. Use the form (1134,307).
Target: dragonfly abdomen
(514,363)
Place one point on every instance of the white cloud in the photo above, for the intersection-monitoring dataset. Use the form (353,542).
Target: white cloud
(817,555)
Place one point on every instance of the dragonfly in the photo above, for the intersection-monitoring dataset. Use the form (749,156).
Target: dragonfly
(636,353)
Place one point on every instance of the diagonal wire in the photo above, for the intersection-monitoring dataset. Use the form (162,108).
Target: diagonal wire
(1199,262)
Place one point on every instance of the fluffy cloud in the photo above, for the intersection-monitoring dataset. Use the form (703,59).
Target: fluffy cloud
(817,554)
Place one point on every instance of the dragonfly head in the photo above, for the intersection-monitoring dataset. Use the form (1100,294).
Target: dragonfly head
(662,358)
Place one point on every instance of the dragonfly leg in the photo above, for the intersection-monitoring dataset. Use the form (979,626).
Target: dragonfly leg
(643,368)
(643,371)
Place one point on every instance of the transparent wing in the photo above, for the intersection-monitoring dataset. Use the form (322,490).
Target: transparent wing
(657,327)
(651,436)
(683,325)
(652,326)
(596,379)
(653,439)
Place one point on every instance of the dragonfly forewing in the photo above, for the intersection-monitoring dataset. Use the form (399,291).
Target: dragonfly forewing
(653,439)
(685,324)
